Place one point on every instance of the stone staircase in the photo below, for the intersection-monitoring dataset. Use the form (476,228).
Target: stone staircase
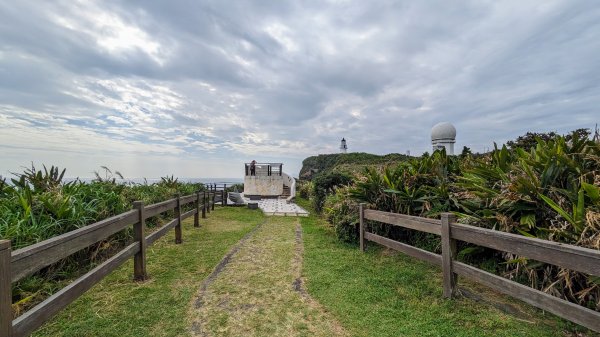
(286,192)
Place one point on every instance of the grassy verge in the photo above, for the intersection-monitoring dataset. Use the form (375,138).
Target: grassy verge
(384,293)
(117,306)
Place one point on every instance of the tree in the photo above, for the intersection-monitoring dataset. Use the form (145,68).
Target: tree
(530,139)
(465,151)
(580,133)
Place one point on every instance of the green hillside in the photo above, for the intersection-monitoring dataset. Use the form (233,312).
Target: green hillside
(346,162)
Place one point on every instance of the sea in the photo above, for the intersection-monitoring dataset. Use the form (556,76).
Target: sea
(228,181)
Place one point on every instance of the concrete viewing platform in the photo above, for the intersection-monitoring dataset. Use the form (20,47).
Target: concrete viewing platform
(280,207)
(267,187)
(273,206)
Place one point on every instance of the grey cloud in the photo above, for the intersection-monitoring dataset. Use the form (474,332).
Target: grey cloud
(285,77)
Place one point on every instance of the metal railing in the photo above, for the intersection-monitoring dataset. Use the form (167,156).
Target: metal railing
(263,169)
(291,183)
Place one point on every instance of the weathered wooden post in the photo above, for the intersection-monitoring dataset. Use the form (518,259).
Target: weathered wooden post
(223,194)
(139,260)
(209,195)
(178,216)
(214,195)
(361,217)
(448,255)
(5,289)
(204,204)
(208,198)
(197,214)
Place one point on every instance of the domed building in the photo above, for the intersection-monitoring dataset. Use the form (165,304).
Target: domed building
(443,135)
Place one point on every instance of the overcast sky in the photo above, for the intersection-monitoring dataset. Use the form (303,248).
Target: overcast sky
(197,88)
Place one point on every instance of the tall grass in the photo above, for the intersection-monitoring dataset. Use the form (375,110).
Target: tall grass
(550,191)
(37,205)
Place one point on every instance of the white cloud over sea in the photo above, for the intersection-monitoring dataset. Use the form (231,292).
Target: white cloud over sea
(196,88)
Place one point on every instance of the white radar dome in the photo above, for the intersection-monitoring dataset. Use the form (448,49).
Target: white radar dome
(443,131)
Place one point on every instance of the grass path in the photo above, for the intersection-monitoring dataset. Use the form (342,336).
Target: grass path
(258,291)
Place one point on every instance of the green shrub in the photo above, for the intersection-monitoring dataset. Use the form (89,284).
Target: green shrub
(39,205)
(235,188)
(324,184)
(342,213)
(304,189)
(550,191)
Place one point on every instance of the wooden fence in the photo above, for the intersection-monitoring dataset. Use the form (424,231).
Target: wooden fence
(219,191)
(20,263)
(567,256)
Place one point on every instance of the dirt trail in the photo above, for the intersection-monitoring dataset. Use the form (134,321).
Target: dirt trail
(257,289)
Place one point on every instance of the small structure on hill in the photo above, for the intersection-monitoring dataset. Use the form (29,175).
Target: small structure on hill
(267,180)
(443,136)
(267,187)
(343,146)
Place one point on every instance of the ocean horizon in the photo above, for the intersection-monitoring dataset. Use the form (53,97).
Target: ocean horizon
(156,180)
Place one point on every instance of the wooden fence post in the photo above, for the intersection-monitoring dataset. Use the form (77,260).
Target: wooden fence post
(361,216)
(178,216)
(208,192)
(197,214)
(204,204)
(208,198)
(448,255)
(139,260)
(223,195)
(214,197)
(5,289)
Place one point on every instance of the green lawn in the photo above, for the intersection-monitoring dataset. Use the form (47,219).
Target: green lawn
(117,306)
(384,293)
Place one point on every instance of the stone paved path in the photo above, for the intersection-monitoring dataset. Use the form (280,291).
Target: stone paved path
(276,207)
(281,207)
(257,289)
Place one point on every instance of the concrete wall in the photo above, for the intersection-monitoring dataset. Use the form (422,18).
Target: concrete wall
(263,185)
(448,145)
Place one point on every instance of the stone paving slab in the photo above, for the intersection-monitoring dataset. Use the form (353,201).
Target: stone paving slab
(280,207)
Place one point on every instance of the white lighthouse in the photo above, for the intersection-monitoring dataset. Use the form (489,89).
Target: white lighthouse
(343,146)
(443,135)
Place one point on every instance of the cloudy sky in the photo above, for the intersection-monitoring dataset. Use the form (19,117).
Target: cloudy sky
(197,88)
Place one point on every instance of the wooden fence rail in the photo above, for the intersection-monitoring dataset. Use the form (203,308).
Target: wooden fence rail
(15,265)
(567,256)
